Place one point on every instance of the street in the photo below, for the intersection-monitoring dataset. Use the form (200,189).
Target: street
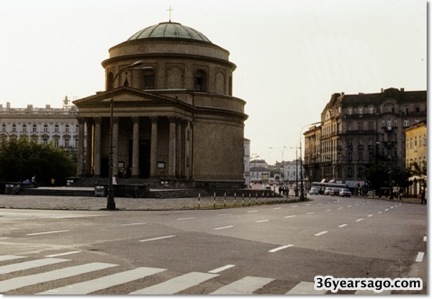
(263,249)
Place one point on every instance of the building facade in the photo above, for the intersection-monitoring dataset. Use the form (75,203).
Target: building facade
(173,117)
(259,171)
(416,153)
(357,130)
(58,126)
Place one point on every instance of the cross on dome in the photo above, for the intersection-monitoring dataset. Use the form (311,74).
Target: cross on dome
(170,11)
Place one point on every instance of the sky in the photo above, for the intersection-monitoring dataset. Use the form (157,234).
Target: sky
(291,55)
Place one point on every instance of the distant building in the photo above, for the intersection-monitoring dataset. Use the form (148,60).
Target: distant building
(291,170)
(416,153)
(58,126)
(357,130)
(259,171)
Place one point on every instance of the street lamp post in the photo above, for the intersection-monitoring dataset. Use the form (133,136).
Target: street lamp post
(110,196)
(301,161)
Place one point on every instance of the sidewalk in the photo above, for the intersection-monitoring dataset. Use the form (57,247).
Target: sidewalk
(146,204)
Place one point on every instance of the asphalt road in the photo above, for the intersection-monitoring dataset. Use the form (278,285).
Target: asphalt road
(267,249)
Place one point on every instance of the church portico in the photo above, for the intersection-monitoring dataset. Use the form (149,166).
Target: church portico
(143,147)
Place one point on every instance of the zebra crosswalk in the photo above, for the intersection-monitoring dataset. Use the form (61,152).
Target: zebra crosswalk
(71,280)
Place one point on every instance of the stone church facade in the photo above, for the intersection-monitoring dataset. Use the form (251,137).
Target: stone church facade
(169,98)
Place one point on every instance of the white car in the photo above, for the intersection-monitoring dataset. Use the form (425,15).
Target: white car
(313,191)
(328,191)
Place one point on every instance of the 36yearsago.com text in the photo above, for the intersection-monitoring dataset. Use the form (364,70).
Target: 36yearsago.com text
(377,285)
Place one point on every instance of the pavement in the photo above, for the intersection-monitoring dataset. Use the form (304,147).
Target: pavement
(147,204)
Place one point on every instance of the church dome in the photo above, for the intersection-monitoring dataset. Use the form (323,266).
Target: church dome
(170,30)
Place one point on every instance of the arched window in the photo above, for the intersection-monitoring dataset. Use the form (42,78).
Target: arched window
(200,81)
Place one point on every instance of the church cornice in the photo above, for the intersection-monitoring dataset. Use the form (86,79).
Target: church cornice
(163,57)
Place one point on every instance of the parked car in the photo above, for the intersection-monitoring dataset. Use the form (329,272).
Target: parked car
(313,191)
(345,193)
(328,191)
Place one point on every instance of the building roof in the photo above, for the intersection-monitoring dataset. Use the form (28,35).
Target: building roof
(170,30)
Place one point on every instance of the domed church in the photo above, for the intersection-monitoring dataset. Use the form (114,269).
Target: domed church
(168,112)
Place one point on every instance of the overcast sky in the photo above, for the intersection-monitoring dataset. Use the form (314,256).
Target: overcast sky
(291,55)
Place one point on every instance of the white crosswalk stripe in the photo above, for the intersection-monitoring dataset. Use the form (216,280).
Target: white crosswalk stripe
(244,286)
(175,285)
(101,283)
(29,265)
(305,288)
(9,257)
(23,281)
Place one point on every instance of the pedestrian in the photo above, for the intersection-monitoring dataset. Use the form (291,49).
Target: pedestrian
(33,180)
(423,197)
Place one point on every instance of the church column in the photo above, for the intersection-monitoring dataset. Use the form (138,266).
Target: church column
(80,166)
(115,145)
(89,146)
(153,145)
(172,147)
(135,147)
(97,146)
(179,150)
(187,147)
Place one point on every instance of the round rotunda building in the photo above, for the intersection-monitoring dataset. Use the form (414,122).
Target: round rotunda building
(168,112)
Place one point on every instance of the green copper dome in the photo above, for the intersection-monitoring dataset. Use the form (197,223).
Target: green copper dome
(170,30)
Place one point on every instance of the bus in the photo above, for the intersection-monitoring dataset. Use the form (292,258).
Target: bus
(329,188)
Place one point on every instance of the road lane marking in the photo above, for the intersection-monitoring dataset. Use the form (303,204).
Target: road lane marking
(310,213)
(49,232)
(419,257)
(370,215)
(158,238)
(220,269)
(343,225)
(425,239)
(223,227)
(253,211)
(278,208)
(261,221)
(386,210)
(186,218)
(90,286)
(321,233)
(29,265)
(177,284)
(328,210)
(246,285)
(23,281)
(340,208)
(64,253)
(280,248)
(294,206)
(130,224)
(290,216)
(305,288)
(360,219)
(379,212)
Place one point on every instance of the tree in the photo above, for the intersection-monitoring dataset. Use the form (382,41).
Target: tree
(21,159)
(377,176)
